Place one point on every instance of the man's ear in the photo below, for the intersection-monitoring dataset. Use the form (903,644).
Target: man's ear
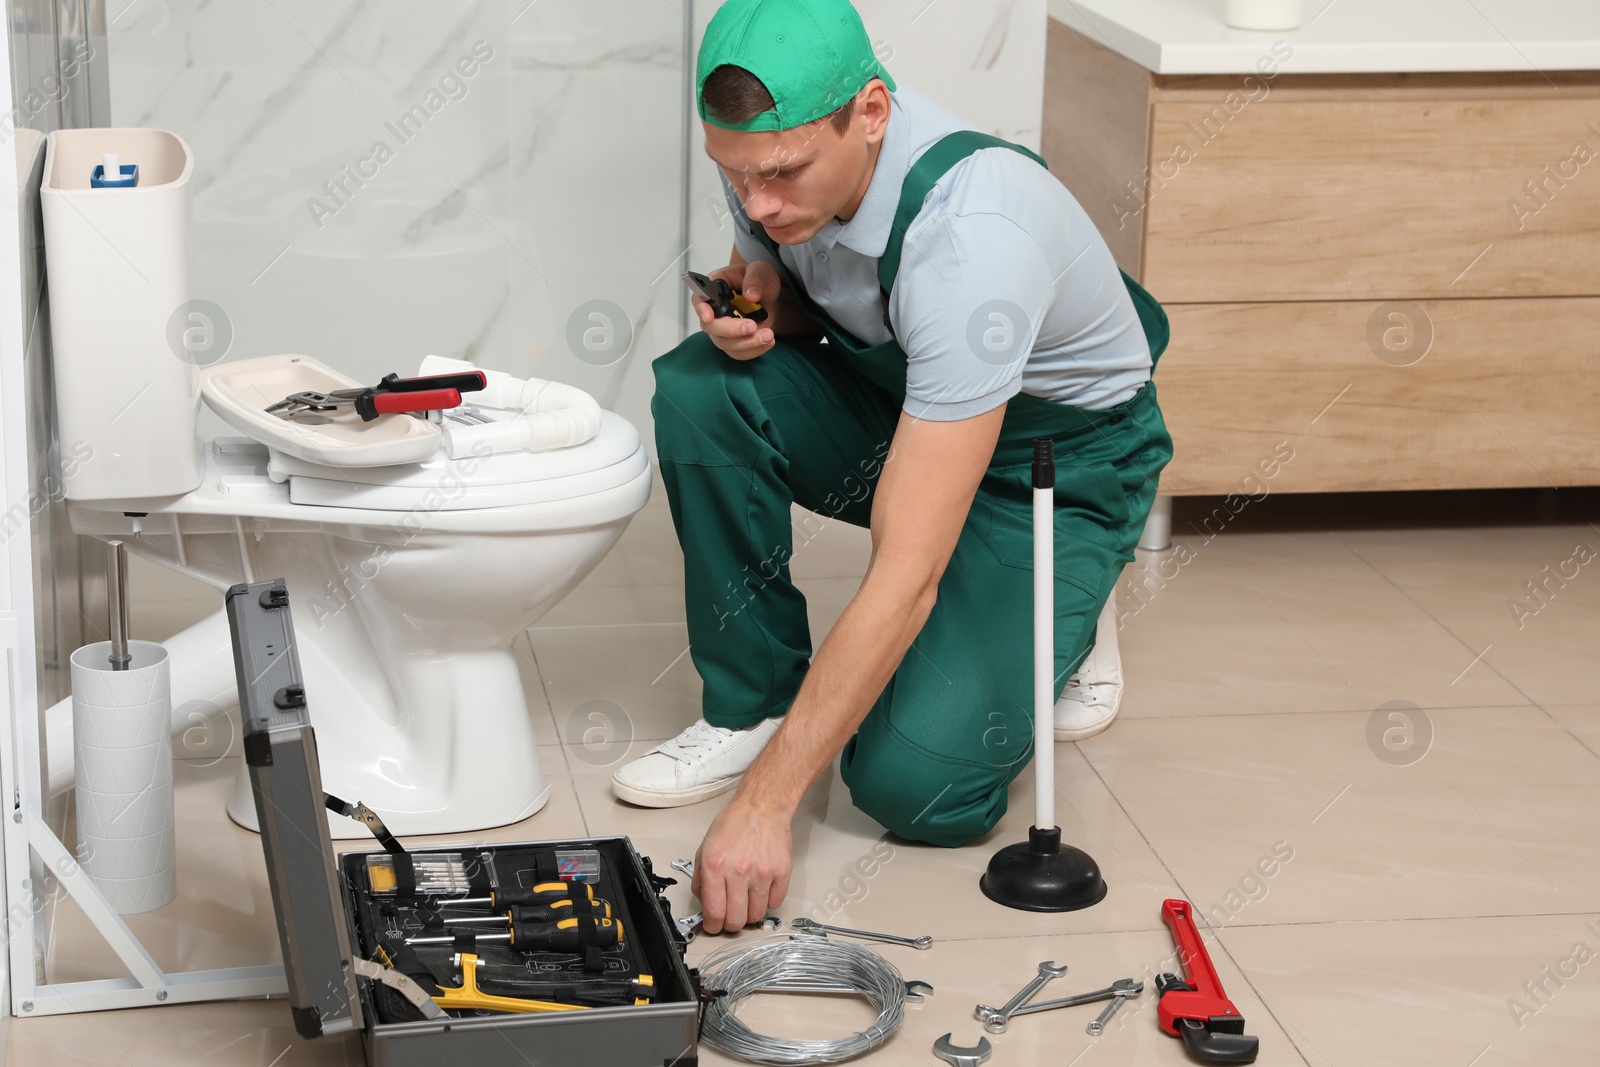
(872,108)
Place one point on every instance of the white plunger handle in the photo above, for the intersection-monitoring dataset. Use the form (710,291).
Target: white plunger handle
(1044,637)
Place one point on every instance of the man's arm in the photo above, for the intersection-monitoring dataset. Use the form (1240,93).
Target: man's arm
(923,496)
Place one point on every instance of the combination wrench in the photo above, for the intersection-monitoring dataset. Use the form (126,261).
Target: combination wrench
(1097,1025)
(915,991)
(1121,989)
(810,926)
(690,925)
(956,1056)
(995,1019)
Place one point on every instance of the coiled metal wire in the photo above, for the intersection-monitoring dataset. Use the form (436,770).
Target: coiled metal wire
(755,965)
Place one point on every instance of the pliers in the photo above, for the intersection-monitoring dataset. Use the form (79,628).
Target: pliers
(391,395)
(723,300)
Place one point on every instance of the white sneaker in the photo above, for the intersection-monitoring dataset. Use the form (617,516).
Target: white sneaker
(1092,696)
(702,762)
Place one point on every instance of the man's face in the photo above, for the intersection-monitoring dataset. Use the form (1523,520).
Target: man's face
(794,181)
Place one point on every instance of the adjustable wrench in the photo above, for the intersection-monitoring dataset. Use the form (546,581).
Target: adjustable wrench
(812,927)
(995,1019)
(392,395)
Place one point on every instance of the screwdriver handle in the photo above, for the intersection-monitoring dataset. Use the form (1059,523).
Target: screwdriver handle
(543,893)
(562,935)
(561,909)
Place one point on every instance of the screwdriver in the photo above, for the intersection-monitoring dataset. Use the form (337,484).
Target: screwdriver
(559,936)
(515,980)
(543,893)
(536,913)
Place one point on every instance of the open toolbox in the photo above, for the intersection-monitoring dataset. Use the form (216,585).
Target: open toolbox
(530,953)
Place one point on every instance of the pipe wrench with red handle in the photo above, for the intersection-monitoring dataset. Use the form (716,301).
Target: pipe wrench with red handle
(1197,1010)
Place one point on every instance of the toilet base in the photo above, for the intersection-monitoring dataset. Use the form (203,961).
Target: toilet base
(242,810)
(434,741)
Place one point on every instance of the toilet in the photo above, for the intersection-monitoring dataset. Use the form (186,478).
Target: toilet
(415,549)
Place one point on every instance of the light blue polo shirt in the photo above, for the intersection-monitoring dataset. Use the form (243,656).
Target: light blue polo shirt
(1005,285)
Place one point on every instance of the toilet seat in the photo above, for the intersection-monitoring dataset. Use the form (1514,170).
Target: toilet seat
(235,486)
(611,458)
(241,391)
(397,463)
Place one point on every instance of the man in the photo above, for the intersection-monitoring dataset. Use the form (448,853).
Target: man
(991,313)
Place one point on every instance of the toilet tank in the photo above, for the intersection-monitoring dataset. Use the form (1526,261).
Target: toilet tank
(127,387)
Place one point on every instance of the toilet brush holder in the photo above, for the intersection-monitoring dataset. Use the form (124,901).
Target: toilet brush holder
(122,741)
(1042,874)
(122,748)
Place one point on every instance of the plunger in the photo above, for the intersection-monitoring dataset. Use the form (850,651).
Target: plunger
(1042,874)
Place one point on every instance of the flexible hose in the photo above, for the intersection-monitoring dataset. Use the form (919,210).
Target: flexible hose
(553,414)
(753,965)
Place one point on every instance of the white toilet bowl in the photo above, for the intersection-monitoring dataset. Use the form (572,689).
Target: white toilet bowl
(409,585)
(410,572)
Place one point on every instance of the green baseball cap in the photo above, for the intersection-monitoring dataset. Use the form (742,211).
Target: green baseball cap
(812,55)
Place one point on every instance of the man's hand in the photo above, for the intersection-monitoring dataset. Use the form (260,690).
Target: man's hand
(743,867)
(742,338)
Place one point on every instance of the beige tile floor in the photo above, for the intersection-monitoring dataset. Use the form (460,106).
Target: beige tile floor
(1428,891)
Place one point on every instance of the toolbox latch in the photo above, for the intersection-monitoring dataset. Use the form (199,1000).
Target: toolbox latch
(258,749)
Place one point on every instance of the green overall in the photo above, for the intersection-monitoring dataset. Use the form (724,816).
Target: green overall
(811,422)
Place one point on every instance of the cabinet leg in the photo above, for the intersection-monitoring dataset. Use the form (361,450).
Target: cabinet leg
(1157,536)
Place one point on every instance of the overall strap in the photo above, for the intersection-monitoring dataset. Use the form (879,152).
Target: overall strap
(925,174)
(920,180)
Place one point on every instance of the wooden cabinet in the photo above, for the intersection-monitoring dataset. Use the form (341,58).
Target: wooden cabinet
(1399,274)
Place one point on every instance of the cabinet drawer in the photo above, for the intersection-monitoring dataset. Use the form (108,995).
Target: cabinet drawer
(1336,198)
(1504,394)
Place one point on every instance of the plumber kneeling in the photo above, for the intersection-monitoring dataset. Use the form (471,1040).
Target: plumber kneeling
(934,299)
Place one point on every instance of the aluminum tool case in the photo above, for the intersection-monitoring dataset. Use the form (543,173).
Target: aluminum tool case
(321,902)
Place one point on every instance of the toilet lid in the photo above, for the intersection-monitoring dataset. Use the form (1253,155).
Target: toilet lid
(614,456)
(240,391)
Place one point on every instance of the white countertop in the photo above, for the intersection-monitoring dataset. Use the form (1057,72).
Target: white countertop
(1349,36)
